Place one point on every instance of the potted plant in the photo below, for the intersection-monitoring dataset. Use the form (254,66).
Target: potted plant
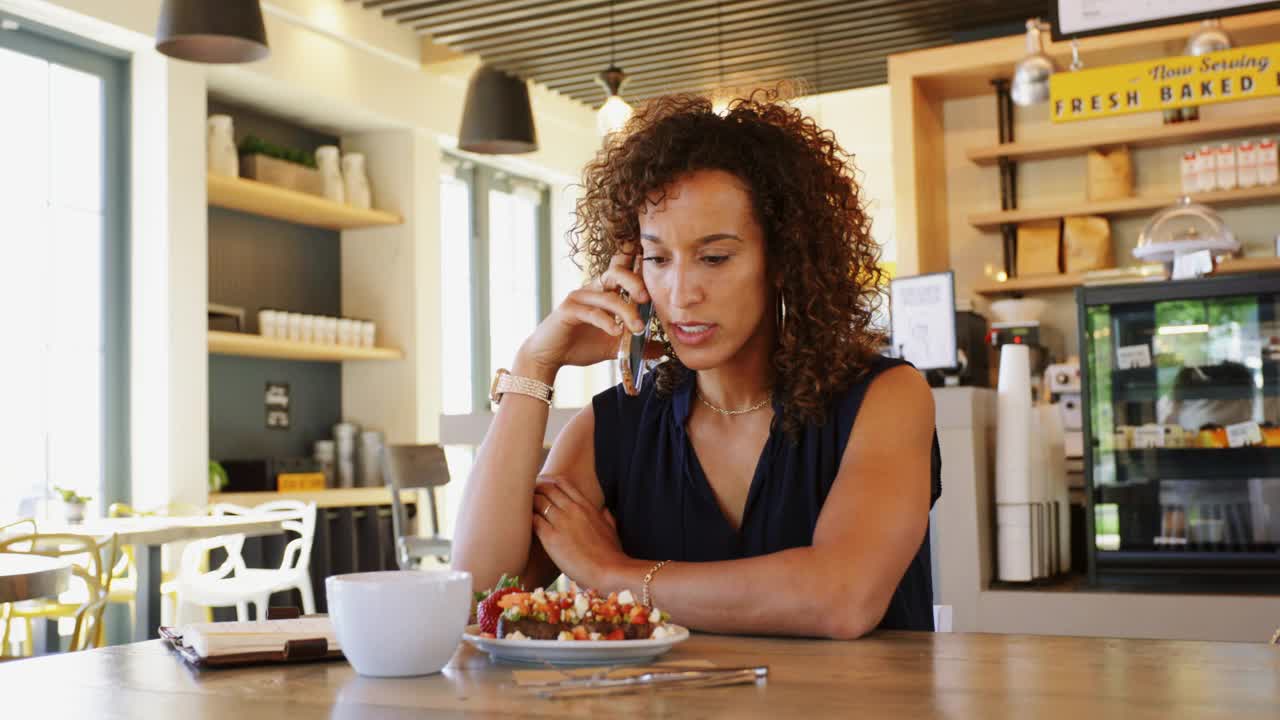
(218,477)
(276,165)
(73,505)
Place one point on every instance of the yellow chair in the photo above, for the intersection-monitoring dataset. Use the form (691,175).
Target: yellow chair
(91,561)
(25,526)
(124,584)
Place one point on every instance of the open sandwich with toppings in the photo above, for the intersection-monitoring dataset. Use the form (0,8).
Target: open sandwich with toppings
(509,612)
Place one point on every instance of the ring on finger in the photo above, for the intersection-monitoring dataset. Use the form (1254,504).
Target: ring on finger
(546,512)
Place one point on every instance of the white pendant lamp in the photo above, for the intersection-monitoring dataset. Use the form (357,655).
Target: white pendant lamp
(615,112)
(1031,75)
(1209,38)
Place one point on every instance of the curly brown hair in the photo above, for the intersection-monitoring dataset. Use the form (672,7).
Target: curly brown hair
(817,232)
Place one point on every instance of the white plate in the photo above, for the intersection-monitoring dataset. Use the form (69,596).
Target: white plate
(573,652)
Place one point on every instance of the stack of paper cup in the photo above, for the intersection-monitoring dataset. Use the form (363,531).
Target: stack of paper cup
(1016,554)
(370,458)
(344,435)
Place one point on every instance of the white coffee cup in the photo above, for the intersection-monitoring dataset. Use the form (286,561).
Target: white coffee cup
(399,623)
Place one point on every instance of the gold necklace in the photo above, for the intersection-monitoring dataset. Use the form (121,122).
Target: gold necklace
(723,411)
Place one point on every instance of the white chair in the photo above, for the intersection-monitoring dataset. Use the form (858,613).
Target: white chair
(234,583)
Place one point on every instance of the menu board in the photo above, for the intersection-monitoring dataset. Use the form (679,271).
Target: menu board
(1081,18)
(922,319)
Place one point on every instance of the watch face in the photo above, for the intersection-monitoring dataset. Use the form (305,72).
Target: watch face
(494,398)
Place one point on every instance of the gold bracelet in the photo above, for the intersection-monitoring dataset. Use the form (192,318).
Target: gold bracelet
(645,597)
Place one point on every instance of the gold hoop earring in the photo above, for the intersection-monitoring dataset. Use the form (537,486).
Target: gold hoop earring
(782,313)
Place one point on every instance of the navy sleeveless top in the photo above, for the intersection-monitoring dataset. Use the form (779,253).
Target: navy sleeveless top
(665,508)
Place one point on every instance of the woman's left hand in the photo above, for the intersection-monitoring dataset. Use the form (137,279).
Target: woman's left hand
(581,539)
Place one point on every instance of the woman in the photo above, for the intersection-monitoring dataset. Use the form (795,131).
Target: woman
(781,467)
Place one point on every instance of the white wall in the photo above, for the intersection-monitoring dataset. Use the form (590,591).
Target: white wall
(861,122)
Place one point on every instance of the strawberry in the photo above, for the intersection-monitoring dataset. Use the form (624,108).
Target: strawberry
(488,611)
(638,616)
(580,633)
(616,634)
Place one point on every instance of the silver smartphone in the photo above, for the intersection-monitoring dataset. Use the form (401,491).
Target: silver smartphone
(634,370)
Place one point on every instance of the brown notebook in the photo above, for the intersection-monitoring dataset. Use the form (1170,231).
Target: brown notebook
(228,644)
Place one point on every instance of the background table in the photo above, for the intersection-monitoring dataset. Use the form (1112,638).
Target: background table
(26,577)
(148,535)
(888,675)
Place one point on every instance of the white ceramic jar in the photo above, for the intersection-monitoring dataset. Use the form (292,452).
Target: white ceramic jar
(221,147)
(330,164)
(357,182)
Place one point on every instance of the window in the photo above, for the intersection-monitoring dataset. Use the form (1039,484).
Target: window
(63,259)
(495,260)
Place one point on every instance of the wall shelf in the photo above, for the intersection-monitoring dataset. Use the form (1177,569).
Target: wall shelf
(1075,141)
(1031,284)
(249,345)
(1127,206)
(1068,281)
(257,198)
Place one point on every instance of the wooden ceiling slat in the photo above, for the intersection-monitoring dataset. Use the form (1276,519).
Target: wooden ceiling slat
(454,10)
(794,42)
(681,45)
(650,32)
(389,7)
(832,55)
(747,76)
(580,14)
(516,17)
(841,81)
(680,13)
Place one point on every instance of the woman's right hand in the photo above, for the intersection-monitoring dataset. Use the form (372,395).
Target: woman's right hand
(584,329)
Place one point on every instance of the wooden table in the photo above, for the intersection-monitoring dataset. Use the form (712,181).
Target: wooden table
(148,534)
(26,577)
(891,675)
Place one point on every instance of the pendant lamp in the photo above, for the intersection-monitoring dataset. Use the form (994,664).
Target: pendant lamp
(1208,39)
(615,112)
(1030,84)
(497,118)
(226,31)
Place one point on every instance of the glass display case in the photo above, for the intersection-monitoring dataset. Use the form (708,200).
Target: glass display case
(1182,433)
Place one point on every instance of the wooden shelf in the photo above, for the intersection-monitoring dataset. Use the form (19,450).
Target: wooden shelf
(1076,141)
(1033,284)
(327,498)
(1127,206)
(1065,281)
(257,198)
(1235,266)
(247,345)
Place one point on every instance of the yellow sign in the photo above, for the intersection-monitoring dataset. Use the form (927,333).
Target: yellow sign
(1239,74)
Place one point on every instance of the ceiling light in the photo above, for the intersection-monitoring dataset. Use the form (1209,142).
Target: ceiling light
(1209,38)
(496,117)
(1031,75)
(229,31)
(615,112)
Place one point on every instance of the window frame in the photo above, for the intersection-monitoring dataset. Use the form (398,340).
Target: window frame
(113,68)
(480,179)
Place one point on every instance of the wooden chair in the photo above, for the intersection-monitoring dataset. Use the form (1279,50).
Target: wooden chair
(92,559)
(416,466)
